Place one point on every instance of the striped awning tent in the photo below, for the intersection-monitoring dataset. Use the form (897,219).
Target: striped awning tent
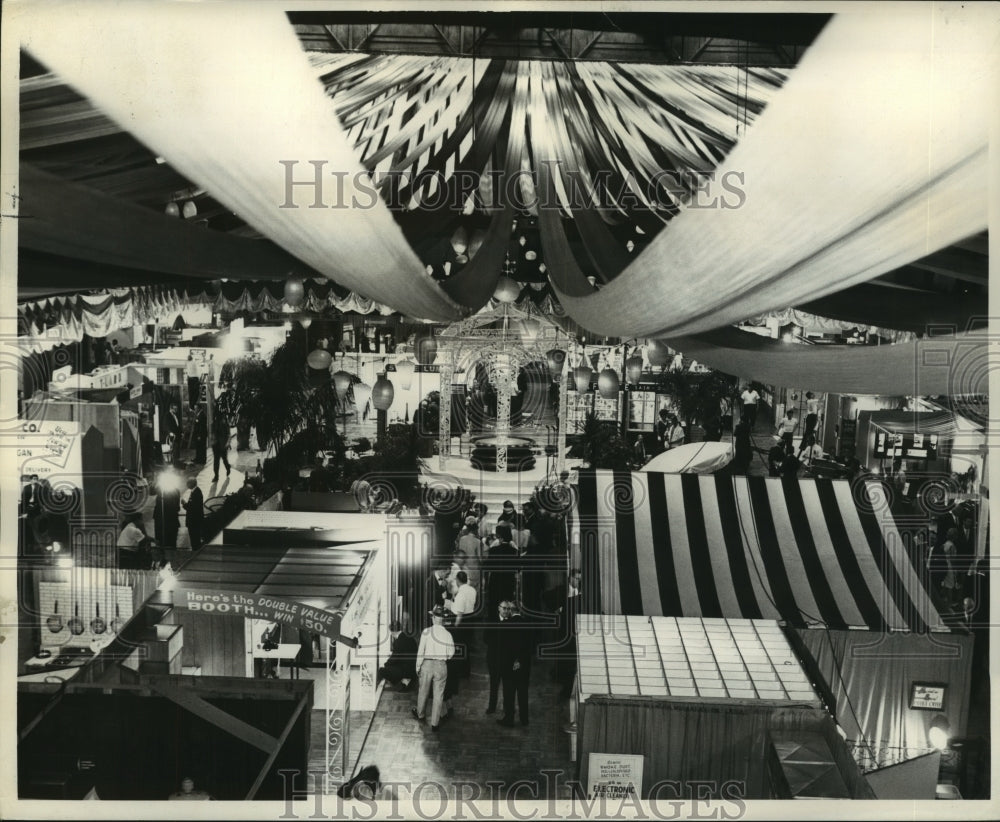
(810,552)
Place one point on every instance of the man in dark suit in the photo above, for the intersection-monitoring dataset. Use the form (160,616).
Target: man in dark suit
(514,652)
(437,584)
(401,667)
(194,507)
(201,437)
(172,433)
(31,497)
(501,565)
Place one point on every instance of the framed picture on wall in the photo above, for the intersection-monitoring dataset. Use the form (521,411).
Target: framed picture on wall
(927,696)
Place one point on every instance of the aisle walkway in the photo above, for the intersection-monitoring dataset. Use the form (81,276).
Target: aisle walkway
(470,747)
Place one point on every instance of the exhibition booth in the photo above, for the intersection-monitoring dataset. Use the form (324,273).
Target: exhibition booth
(696,708)
(821,557)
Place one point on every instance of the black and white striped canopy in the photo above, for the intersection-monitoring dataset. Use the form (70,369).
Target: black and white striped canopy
(809,552)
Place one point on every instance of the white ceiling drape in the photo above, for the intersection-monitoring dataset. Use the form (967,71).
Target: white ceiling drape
(177,75)
(872,155)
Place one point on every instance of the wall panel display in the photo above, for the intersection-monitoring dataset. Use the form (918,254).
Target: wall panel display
(79,615)
(577,407)
(641,410)
(607,409)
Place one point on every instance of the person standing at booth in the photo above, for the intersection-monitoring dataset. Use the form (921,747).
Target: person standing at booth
(786,429)
(220,448)
(194,508)
(435,649)
(749,398)
(192,370)
(463,606)
(171,434)
(514,658)
(201,437)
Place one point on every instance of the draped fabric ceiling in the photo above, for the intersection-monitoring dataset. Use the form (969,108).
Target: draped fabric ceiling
(870,155)
(60,320)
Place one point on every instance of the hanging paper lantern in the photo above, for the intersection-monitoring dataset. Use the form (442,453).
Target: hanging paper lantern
(608,384)
(342,381)
(190,210)
(319,359)
(362,393)
(658,353)
(460,240)
(426,350)
(295,290)
(173,210)
(555,358)
(582,375)
(404,373)
(633,369)
(507,290)
(382,393)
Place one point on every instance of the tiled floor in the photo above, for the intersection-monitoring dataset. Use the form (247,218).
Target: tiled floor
(470,747)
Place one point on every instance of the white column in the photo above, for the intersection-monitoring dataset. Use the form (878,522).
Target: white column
(503,387)
(444,423)
(561,421)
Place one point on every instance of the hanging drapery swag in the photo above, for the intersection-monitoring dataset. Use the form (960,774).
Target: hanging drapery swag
(201,129)
(917,183)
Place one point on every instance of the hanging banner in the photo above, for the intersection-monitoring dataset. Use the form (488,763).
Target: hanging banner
(614,776)
(282,610)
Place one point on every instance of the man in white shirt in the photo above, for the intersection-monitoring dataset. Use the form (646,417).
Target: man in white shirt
(750,397)
(786,429)
(463,605)
(811,450)
(435,649)
(132,546)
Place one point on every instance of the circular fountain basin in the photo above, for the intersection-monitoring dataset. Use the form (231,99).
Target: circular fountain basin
(520,452)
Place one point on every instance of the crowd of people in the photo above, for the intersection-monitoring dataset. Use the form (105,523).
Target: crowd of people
(488,600)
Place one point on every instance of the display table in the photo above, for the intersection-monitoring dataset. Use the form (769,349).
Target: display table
(287,650)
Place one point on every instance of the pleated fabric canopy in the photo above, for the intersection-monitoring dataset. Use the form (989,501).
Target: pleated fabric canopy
(869,155)
(809,552)
(952,363)
(873,154)
(227,111)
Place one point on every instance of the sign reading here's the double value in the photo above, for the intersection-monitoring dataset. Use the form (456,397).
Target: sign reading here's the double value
(259,606)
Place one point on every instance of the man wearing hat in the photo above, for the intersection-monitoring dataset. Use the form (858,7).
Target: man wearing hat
(435,649)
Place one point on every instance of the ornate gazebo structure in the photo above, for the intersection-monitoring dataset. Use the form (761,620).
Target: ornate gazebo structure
(505,338)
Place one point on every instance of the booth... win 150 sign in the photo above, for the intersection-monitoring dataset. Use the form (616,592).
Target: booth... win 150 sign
(259,606)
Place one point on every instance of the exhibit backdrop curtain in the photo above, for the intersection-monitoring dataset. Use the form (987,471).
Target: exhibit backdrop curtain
(690,742)
(870,676)
(873,154)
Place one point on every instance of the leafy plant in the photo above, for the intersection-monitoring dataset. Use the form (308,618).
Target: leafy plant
(603,446)
(282,403)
